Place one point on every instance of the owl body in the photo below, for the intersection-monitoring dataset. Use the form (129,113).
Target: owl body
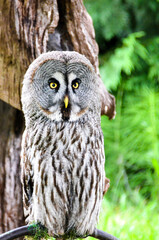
(62,149)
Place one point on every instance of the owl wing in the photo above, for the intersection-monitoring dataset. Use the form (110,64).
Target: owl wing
(26,178)
(27,184)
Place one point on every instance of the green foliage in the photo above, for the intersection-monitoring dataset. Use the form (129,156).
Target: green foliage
(128,38)
(132,145)
(124,60)
(128,222)
(117,18)
(112,19)
(153,47)
(40,232)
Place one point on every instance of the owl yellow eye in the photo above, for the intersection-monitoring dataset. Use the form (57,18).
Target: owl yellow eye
(75,83)
(53,85)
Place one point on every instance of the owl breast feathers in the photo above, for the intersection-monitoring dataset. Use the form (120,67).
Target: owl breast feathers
(62,155)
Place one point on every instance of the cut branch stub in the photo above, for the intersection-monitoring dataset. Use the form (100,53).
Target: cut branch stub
(107,100)
(29,28)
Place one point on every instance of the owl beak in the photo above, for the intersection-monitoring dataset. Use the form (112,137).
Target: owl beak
(66,101)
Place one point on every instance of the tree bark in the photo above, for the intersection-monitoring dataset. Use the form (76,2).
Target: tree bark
(31,27)
(11,127)
(27,29)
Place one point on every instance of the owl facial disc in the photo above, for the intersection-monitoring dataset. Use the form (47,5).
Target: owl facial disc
(62,89)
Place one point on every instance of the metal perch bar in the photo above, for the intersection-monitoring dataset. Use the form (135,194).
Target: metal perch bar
(18,232)
(31,230)
(103,235)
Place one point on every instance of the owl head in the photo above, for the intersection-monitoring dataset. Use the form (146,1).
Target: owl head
(61,86)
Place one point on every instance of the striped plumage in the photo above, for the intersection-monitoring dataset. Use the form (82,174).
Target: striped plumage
(62,149)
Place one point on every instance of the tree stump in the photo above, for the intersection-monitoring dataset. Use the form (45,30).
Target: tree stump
(27,29)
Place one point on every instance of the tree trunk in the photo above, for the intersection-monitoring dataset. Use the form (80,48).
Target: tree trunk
(11,127)
(27,29)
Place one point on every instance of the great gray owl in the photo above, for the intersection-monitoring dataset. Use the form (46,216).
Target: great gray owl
(62,155)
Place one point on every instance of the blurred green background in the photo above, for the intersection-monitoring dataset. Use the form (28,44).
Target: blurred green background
(127,32)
